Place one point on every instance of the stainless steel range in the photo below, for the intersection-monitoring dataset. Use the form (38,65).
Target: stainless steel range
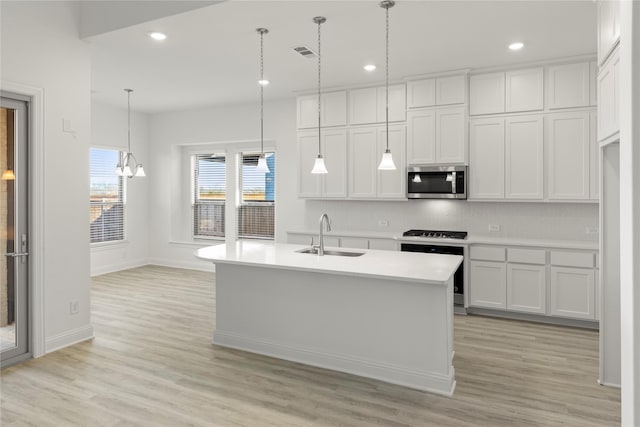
(423,238)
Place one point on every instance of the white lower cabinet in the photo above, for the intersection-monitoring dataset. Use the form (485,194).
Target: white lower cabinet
(572,292)
(488,284)
(526,288)
(347,242)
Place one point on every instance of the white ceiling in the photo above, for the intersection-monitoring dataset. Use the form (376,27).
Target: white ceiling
(211,55)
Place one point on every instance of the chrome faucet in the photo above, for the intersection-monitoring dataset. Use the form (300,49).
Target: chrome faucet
(320,245)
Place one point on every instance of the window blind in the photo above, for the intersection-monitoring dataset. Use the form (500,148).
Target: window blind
(256,212)
(106,196)
(209,195)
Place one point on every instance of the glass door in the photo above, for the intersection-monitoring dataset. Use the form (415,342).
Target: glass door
(13,231)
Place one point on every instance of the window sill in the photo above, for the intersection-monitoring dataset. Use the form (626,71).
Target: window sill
(106,246)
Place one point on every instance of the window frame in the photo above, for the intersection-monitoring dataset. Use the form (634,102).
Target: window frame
(194,196)
(241,202)
(122,185)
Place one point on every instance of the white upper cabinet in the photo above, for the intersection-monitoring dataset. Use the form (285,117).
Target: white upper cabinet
(451,139)
(437,136)
(334,149)
(446,90)
(569,85)
(608,28)
(363,106)
(524,158)
(421,137)
(391,184)
(486,158)
(567,146)
(451,90)
(593,83)
(486,94)
(368,105)
(421,93)
(333,110)
(594,159)
(363,157)
(524,90)
(366,145)
(609,97)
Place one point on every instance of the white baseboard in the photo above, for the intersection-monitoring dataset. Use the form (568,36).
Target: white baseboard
(68,338)
(125,265)
(189,265)
(425,381)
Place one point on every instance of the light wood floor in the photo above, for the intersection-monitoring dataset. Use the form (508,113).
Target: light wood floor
(152,364)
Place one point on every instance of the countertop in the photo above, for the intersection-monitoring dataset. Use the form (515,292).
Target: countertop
(471,239)
(402,266)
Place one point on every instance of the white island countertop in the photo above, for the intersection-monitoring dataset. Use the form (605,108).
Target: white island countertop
(403,266)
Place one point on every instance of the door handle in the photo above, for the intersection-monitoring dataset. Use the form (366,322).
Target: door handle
(15,255)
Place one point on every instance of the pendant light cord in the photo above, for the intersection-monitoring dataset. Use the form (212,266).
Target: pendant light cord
(387,76)
(262,92)
(319,68)
(129,120)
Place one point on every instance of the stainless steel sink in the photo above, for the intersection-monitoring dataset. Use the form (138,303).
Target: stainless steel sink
(314,251)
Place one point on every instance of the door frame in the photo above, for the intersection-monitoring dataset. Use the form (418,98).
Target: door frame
(36,211)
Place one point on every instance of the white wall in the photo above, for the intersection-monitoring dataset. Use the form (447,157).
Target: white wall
(40,48)
(109,130)
(172,133)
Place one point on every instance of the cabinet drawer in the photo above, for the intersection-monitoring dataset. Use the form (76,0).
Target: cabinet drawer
(572,259)
(527,256)
(487,253)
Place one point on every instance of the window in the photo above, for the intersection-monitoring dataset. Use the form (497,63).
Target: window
(256,211)
(209,195)
(106,196)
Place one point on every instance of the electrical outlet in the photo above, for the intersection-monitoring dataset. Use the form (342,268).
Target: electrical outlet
(74,307)
(494,228)
(66,126)
(592,230)
(383,223)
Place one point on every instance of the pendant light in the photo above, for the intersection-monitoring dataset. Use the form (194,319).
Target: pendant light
(129,166)
(318,166)
(262,162)
(387,160)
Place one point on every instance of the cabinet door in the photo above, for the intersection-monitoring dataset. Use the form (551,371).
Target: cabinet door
(451,131)
(334,148)
(488,286)
(594,159)
(397,104)
(307,111)
(593,83)
(569,85)
(524,90)
(608,98)
(568,155)
(392,184)
(608,27)
(363,155)
(421,138)
(486,159)
(524,158)
(334,109)
(363,106)
(450,90)
(526,288)
(486,94)
(421,93)
(572,292)
(308,183)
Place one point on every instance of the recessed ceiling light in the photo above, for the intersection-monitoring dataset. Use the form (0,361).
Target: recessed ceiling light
(370,67)
(157,36)
(263,82)
(516,46)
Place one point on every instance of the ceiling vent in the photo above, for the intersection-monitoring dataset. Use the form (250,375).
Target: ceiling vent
(305,52)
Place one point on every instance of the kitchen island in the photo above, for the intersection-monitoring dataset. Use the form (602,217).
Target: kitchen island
(385,315)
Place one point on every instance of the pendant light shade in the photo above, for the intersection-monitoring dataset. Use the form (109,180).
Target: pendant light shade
(8,175)
(262,162)
(128,165)
(387,159)
(319,166)
(416,178)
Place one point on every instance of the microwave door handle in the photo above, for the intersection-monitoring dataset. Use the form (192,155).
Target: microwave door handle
(453,183)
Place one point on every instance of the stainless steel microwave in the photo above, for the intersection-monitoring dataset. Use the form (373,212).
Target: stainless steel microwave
(437,182)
